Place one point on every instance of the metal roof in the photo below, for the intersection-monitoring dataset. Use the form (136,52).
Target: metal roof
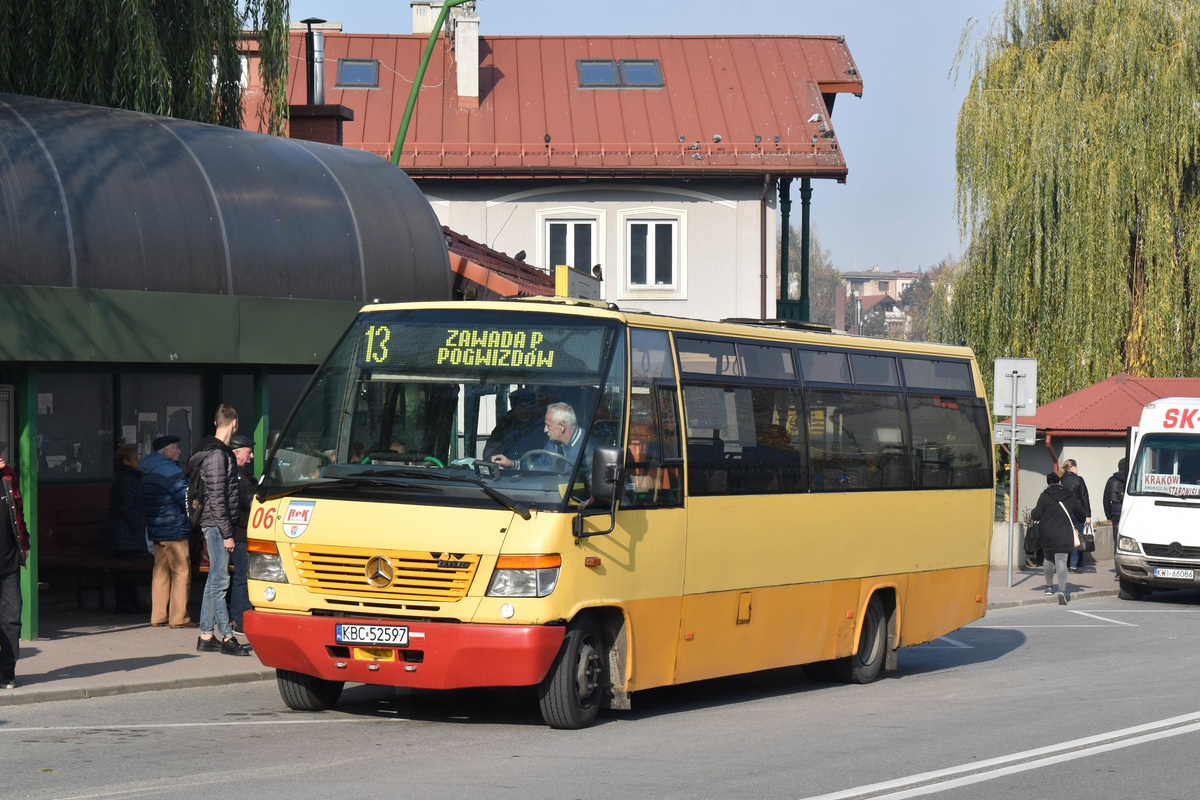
(719,94)
(107,199)
(489,274)
(1107,408)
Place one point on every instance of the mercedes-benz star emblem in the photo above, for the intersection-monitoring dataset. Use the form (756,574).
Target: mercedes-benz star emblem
(380,572)
(1175,550)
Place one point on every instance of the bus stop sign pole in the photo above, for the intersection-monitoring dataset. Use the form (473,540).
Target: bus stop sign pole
(1021,376)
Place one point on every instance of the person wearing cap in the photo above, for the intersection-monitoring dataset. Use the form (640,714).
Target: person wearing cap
(239,593)
(125,528)
(164,490)
(14,545)
(517,432)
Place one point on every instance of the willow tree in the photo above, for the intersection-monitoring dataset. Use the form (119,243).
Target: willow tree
(1079,190)
(178,58)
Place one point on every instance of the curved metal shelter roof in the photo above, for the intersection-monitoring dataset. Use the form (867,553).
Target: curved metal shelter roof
(102,198)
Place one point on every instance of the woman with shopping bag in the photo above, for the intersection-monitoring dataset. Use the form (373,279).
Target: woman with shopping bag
(1055,515)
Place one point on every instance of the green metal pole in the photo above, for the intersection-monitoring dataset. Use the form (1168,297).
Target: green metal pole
(785,222)
(805,199)
(416,87)
(262,417)
(27,474)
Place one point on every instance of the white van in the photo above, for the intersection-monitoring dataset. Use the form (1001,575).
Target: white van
(1159,542)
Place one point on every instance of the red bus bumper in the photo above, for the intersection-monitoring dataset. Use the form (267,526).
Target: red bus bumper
(438,655)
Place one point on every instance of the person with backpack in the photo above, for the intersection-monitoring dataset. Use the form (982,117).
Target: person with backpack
(1114,495)
(164,490)
(218,509)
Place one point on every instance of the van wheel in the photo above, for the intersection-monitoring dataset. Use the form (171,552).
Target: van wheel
(573,689)
(305,692)
(864,665)
(1130,591)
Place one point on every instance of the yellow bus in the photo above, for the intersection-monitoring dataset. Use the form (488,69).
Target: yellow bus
(596,502)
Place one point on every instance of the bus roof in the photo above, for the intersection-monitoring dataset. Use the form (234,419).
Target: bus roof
(770,330)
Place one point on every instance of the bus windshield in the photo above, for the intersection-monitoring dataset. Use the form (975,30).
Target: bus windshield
(461,407)
(1167,464)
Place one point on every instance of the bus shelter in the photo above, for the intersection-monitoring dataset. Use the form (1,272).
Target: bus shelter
(152,268)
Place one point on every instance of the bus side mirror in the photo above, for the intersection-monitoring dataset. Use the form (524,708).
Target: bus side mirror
(605,480)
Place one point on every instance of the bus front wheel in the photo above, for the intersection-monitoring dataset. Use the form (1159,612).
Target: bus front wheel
(573,689)
(864,665)
(302,692)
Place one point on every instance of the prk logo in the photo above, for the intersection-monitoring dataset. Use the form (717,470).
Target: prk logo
(299,514)
(1180,418)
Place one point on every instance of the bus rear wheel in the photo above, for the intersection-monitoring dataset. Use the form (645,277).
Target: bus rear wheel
(864,665)
(573,690)
(305,692)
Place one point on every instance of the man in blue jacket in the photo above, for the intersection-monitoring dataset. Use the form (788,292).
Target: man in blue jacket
(164,488)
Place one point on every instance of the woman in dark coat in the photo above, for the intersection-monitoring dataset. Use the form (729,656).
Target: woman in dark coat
(1056,532)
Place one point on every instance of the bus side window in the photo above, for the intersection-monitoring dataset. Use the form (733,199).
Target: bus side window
(651,479)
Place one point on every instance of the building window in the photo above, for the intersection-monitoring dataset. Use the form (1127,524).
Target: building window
(652,253)
(627,73)
(571,242)
(883,287)
(357,73)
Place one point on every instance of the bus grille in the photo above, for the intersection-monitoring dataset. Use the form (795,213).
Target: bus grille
(420,576)
(1164,551)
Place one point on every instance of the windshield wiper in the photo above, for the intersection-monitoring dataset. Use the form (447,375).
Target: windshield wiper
(375,479)
(500,497)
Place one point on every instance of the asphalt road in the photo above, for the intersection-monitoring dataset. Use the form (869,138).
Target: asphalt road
(1098,699)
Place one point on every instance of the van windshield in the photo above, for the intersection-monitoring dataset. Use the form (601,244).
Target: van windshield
(1167,464)
(442,406)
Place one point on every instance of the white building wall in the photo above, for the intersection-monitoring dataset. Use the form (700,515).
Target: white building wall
(718,242)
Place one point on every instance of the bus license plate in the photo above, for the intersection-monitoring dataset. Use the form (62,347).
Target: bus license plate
(395,635)
(1185,574)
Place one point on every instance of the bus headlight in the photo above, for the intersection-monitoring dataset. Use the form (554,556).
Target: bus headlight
(524,576)
(1127,545)
(263,562)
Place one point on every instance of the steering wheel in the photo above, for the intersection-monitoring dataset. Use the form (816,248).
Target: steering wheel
(553,455)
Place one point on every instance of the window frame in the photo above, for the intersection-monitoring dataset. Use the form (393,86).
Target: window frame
(620,75)
(340,83)
(652,216)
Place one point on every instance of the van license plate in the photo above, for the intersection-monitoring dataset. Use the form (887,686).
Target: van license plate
(396,635)
(1185,574)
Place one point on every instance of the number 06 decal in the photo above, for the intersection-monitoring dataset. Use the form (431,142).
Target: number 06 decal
(263,518)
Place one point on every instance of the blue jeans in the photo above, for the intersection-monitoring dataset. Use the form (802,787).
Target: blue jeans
(214,615)
(10,622)
(239,593)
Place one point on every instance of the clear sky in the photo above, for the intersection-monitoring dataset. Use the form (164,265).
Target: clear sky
(896,209)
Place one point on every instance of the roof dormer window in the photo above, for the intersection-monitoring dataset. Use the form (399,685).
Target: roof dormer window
(626,73)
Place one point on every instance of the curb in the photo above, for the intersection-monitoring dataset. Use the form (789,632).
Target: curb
(17,697)
(1043,599)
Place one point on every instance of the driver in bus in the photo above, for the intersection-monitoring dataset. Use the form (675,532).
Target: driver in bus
(563,438)
(515,432)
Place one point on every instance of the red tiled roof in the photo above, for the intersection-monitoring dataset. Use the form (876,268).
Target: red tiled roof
(1109,407)
(869,301)
(494,274)
(735,87)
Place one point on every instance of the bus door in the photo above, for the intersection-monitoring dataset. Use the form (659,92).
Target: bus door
(643,556)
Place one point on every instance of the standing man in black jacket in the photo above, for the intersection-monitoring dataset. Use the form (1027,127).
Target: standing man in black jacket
(1075,485)
(239,594)
(14,544)
(1114,496)
(221,508)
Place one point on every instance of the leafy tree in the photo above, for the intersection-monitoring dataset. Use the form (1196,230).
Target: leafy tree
(916,299)
(874,323)
(823,277)
(1079,190)
(176,58)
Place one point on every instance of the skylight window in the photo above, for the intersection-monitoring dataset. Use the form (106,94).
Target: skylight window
(358,73)
(626,73)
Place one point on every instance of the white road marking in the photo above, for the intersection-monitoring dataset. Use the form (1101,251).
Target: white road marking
(954,644)
(979,771)
(17,728)
(1104,619)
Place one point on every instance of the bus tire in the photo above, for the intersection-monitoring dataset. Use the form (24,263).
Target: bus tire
(1130,590)
(571,693)
(864,665)
(302,692)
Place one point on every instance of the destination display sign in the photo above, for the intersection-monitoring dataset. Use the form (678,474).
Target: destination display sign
(494,348)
